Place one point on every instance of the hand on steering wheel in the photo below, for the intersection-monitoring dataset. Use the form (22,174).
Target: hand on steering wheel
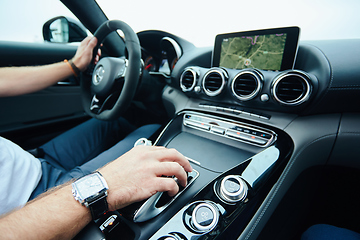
(108,91)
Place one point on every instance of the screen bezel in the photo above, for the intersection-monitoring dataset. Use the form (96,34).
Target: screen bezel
(290,49)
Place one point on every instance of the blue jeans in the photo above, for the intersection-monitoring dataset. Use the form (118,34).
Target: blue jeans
(86,148)
(329,232)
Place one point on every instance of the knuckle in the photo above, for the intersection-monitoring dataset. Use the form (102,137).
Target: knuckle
(171,186)
(172,168)
(173,151)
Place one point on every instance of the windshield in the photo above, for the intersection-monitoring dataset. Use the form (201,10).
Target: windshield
(200,21)
(196,21)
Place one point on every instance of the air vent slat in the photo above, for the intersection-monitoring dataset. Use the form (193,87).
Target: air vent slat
(292,89)
(188,80)
(246,85)
(214,81)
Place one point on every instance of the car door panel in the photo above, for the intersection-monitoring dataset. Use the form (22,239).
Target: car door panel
(30,54)
(56,104)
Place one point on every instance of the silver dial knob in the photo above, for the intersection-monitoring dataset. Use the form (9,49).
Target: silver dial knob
(205,217)
(233,189)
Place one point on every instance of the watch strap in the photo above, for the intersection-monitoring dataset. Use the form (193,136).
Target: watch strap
(98,207)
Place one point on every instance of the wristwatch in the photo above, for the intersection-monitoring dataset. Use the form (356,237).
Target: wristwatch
(91,192)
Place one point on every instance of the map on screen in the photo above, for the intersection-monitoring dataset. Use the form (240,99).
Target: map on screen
(258,51)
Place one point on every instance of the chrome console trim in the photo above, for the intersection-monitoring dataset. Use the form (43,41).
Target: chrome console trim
(238,131)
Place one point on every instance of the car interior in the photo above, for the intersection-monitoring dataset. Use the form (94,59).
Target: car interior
(269,123)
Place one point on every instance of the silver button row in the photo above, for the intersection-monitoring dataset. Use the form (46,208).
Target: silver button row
(246,137)
(231,110)
(198,125)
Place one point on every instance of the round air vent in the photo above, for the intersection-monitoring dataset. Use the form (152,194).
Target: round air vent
(214,82)
(246,85)
(292,88)
(188,80)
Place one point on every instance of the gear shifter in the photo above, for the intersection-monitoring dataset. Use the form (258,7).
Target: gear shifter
(143,141)
(160,201)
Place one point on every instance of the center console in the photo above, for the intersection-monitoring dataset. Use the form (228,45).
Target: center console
(235,165)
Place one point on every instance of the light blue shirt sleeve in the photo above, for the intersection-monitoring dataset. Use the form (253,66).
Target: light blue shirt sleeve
(20,173)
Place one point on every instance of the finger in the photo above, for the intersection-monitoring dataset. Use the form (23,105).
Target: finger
(96,60)
(172,155)
(92,42)
(86,40)
(162,154)
(169,155)
(164,184)
(172,169)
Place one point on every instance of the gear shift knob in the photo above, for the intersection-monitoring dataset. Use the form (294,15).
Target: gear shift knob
(143,141)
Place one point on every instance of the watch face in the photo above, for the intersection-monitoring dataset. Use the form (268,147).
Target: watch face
(89,186)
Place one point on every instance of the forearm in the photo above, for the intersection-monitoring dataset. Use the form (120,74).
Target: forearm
(22,80)
(136,175)
(54,216)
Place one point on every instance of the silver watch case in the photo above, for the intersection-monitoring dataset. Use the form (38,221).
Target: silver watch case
(89,188)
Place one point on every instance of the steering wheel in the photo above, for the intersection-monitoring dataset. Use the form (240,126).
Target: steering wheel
(109,89)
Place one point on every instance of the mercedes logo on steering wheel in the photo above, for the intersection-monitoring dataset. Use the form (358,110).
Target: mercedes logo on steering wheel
(99,75)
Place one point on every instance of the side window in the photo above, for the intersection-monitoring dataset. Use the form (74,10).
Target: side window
(22,21)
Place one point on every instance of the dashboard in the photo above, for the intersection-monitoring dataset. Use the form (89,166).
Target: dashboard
(161,58)
(319,82)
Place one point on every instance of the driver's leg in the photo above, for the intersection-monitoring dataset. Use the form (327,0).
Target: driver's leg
(116,151)
(84,142)
(54,175)
(324,231)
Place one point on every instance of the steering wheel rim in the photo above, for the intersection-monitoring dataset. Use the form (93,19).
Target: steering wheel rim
(92,83)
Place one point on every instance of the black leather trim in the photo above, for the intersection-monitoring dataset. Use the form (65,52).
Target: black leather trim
(98,207)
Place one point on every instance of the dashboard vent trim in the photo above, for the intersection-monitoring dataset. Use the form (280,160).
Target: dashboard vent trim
(292,88)
(188,80)
(246,85)
(214,82)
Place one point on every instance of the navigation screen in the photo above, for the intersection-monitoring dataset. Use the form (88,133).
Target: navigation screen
(271,49)
(259,51)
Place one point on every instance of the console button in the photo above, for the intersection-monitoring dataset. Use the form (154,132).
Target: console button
(232,185)
(246,136)
(218,130)
(205,217)
(264,135)
(233,189)
(198,125)
(236,131)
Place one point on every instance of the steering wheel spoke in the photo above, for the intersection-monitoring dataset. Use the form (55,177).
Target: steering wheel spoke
(100,104)
(95,104)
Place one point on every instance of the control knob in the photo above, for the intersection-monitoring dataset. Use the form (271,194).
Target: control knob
(205,217)
(233,189)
